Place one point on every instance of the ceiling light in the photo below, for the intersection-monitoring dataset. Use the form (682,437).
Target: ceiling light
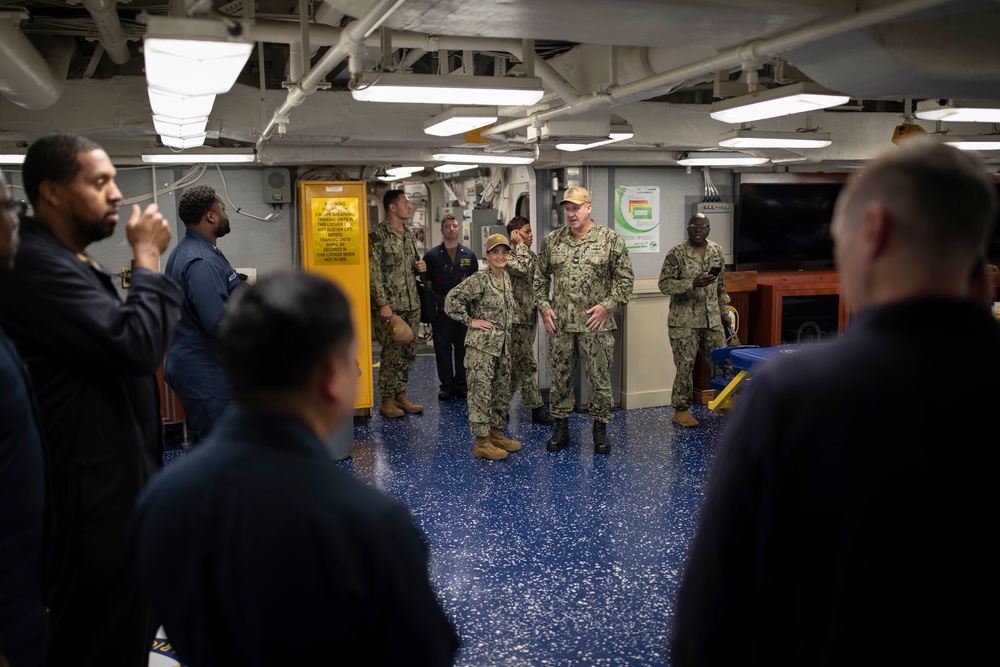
(459,120)
(400,172)
(192,141)
(453,168)
(620,131)
(774,102)
(719,159)
(180,106)
(210,155)
(11,158)
(179,127)
(959,111)
(764,139)
(194,67)
(971,142)
(443,89)
(486,158)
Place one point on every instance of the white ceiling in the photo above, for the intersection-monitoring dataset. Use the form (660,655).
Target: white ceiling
(652,62)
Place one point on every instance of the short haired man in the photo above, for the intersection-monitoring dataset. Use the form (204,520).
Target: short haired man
(277,538)
(448,264)
(92,359)
(193,367)
(844,519)
(694,277)
(23,622)
(393,260)
(524,369)
(591,276)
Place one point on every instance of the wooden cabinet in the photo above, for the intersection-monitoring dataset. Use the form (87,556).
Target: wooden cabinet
(796,307)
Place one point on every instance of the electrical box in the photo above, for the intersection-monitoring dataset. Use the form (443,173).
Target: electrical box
(277,185)
(482,218)
(720,216)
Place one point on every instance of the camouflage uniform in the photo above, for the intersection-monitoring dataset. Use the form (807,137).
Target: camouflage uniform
(695,319)
(487,351)
(393,283)
(593,270)
(524,369)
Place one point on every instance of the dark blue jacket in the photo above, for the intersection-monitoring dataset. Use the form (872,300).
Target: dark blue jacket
(194,362)
(445,276)
(22,517)
(256,549)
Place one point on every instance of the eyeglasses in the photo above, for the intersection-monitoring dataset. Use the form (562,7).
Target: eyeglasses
(15,207)
(702,226)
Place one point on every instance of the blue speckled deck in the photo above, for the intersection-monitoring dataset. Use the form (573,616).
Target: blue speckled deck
(565,558)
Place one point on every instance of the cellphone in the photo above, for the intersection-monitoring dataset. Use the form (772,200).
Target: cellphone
(715,270)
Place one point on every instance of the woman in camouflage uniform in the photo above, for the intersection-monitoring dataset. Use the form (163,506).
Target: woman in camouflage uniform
(484,302)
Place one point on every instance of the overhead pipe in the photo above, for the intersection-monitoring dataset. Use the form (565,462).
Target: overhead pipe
(27,78)
(352,38)
(109,29)
(751,52)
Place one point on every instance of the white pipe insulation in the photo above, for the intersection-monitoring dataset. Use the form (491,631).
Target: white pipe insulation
(27,78)
(109,29)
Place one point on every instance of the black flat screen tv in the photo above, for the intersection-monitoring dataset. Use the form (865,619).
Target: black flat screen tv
(785,225)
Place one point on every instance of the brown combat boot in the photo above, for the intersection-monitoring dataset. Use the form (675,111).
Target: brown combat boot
(389,408)
(485,449)
(684,418)
(503,442)
(407,405)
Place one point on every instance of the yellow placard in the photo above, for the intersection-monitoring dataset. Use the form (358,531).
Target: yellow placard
(334,218)
(336,231)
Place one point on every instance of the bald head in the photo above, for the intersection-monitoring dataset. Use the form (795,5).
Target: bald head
(914,222)
(938,195)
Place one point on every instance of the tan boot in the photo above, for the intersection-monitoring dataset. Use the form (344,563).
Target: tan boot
(407,405)
(389,408)
(485,449)
(684,418)
(503,442)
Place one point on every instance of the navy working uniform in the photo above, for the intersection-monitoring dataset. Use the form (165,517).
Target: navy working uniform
(444,275)
(194,363)
(23,622)
(92,360)
(285,558)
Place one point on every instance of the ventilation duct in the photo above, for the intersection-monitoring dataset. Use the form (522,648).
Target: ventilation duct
(27,78)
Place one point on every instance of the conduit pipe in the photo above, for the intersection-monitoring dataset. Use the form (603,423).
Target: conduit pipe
(352,38)
(753,51)
(109,29)
(28,79)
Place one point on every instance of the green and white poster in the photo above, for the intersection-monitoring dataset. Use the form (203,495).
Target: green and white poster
(637,216)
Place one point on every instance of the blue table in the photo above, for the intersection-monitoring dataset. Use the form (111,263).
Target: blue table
(744,360)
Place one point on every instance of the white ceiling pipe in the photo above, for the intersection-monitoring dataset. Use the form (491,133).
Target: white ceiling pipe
(109,29)
(756,50)
(352,37)
(28,79)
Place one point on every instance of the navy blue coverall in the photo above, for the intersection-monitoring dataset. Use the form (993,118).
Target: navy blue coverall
(449,335)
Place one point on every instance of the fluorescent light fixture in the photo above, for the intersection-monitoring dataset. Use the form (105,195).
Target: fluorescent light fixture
(719,159)
(459,120)
(11,158)
(959,111)
(620,131)
(194,67)
(454,168)
(774,102)
(764,139)
(971,142)
(180,106)
(449,89)
(486,158)
(193,141)
(179,127)
(210,155)
(400,172)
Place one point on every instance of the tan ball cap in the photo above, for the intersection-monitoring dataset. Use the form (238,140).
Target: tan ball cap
(577,195)
(495,240)
(402,334)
